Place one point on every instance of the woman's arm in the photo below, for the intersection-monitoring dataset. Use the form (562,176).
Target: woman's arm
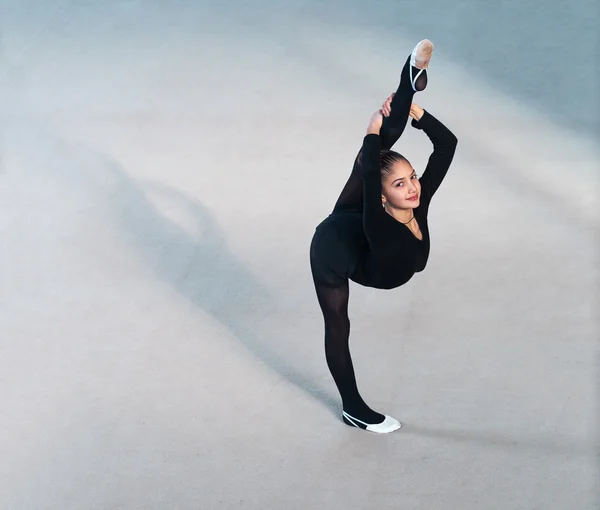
(444,146)
(373,212)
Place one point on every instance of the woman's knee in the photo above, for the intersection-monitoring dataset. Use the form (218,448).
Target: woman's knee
(337,328)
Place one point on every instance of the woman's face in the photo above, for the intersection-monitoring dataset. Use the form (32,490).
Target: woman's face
(401,188)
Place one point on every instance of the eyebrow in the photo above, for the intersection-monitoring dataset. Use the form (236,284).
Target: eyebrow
(402,178)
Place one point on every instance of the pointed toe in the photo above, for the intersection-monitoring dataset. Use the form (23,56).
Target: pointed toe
(386,426)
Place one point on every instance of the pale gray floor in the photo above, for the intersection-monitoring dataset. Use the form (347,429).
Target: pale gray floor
(164,166)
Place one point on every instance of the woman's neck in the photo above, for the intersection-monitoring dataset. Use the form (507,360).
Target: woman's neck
(402,215)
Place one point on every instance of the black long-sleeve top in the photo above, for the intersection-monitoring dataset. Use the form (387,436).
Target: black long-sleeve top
(395,254)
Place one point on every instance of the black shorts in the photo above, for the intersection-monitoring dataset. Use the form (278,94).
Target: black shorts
(338,245)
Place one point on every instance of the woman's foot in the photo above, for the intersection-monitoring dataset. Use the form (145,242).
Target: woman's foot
(385,426)
(419,62)
(357,413)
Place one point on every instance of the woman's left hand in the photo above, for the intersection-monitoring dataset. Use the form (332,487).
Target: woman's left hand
(416,112)
(386,108)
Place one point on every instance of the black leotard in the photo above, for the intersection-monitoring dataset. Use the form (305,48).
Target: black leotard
(395,254)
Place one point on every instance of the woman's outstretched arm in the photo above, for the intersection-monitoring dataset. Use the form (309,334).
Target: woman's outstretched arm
(444,147)
(373,212)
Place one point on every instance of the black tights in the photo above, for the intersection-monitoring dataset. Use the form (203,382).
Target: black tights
(333,288)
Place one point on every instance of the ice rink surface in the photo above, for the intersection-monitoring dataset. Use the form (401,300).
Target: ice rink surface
(164,165)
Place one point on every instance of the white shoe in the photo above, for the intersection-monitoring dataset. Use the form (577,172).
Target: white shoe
(389,424)
(419,58)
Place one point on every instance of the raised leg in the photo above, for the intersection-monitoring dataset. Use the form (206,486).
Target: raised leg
(351,197)
(394,125)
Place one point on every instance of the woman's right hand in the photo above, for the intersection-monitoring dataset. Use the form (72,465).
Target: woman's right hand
(416,112)
(375,123)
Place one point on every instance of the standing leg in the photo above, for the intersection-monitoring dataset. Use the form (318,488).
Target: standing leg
(334,304)
(332,289)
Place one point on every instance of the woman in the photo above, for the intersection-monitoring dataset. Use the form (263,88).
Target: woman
(377,234)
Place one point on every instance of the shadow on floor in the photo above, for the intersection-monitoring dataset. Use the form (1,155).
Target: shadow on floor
(197,262)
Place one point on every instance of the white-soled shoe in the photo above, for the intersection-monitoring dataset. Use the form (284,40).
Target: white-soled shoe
(419,58)
(388,425)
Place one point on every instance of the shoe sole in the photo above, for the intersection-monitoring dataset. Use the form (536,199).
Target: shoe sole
(421,54)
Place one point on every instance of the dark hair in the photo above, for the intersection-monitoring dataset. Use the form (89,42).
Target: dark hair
(388,158)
